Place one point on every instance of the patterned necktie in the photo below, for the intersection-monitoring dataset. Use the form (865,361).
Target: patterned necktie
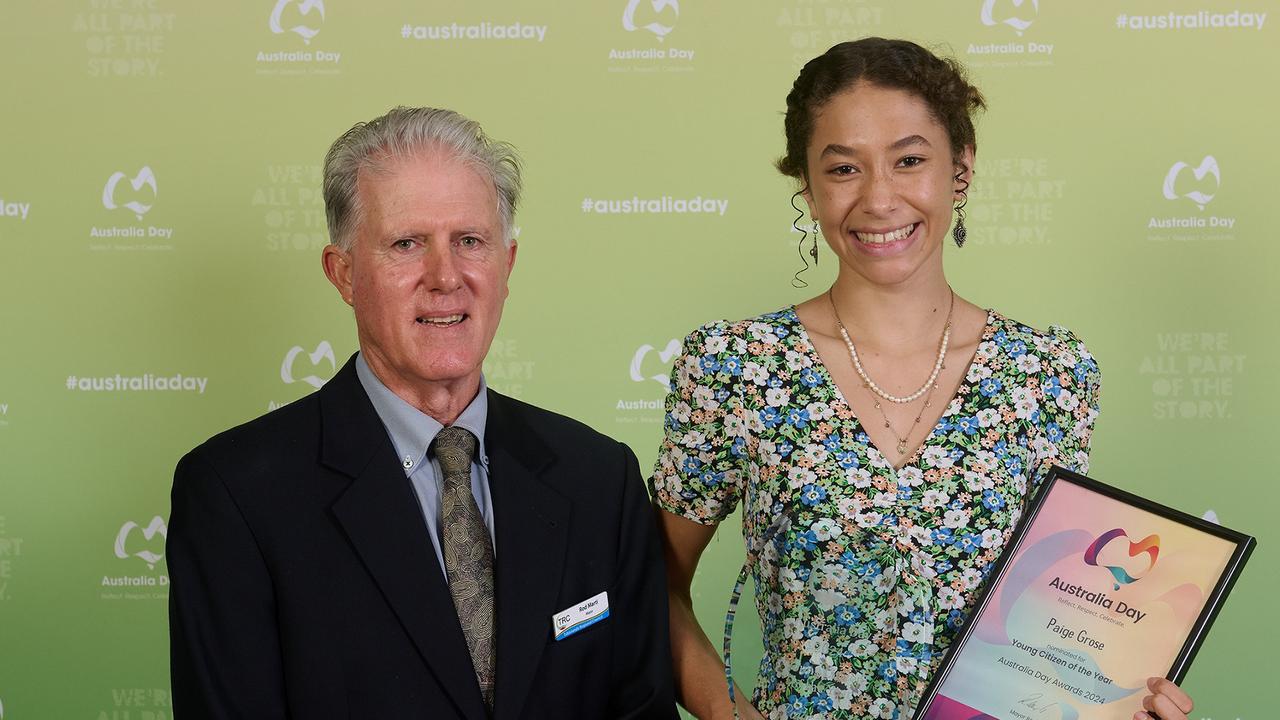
(468,553)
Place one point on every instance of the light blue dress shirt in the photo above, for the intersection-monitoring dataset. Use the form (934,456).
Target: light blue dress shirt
(411,432)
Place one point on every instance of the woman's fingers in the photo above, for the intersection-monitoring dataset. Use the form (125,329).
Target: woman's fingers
(1162,686)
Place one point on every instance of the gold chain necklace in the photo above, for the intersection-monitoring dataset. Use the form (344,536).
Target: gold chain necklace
(902,439)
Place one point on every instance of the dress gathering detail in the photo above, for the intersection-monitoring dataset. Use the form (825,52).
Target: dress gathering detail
(863,572)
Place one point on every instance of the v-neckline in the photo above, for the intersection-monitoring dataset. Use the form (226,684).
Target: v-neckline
(963,389)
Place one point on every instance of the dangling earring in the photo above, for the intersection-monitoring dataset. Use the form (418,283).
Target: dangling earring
(959,232)
(812,252)
(813,249)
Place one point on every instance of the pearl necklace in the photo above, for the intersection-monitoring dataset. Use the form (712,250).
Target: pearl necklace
(857,364)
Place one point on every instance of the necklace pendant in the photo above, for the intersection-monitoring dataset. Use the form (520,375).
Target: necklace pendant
(902,447)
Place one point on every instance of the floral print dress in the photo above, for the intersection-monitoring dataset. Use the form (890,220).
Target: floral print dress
(864,572)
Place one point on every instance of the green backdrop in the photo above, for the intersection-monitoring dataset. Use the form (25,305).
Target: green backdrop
(161,225)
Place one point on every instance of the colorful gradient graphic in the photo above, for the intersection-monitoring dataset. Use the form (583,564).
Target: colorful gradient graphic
(1149,544)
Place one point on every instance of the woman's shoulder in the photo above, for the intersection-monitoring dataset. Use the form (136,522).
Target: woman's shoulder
(769,328)
(1057,346)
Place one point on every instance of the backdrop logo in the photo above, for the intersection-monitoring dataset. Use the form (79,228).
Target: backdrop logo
(1149,545)
(1018,24)
(144,178)
(665,355)
(657,28)
(1208,166)
(323,351)
(156,526)
(304,9)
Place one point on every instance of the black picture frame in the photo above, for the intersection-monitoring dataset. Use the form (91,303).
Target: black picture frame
(1244,545)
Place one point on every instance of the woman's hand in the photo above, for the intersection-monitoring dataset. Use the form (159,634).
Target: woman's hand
(1167,701)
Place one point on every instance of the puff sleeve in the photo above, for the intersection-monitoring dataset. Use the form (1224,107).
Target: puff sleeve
(701,466)
(1071,386)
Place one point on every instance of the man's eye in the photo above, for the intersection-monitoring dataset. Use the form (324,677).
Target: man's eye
(404,243)
(470,241)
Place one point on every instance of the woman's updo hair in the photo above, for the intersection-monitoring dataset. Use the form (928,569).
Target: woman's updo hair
(897,64)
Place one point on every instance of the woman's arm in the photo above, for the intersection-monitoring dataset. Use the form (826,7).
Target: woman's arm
(700,683)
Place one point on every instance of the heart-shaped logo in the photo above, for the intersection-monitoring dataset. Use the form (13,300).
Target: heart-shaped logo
(304,8)
(144,178)
(657,28)
(1123,559)
(323,351)
(1018,24)
(665,355)
(1208,166)
(155,526)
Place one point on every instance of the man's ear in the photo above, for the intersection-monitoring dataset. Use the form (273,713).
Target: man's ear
(337,267)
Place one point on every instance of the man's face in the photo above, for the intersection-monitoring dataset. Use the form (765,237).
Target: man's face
(427,275)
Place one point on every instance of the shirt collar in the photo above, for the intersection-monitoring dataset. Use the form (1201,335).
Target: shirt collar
(412,430)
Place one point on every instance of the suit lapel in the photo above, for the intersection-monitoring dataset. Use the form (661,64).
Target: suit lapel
(383,521)
(532,524)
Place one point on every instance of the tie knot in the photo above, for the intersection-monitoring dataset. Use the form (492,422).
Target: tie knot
(454,447)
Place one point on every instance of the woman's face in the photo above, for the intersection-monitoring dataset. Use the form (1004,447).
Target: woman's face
(882,182)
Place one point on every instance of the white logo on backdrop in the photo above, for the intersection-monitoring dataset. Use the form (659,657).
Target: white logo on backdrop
(665,355)
(155,526)
(1018,24)
(1210,515)
(144,178)
(304,8)
(1208,166)
(323,351)
(655,27)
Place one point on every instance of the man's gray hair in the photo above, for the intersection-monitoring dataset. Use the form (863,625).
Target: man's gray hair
(400,134)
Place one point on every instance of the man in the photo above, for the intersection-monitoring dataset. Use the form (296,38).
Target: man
(406,543)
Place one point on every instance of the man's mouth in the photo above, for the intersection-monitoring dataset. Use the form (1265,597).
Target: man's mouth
(442,320)
(873,238)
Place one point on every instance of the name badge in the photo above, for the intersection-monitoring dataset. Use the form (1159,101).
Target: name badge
(580,616)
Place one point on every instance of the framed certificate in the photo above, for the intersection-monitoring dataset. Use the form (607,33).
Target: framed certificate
(1097,591)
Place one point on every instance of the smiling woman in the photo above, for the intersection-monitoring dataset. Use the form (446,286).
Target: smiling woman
(884,436)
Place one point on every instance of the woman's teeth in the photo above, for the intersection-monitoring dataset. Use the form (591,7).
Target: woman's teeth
(882,238)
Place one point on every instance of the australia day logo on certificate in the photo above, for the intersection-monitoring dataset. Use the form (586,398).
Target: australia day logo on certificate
(1128,562)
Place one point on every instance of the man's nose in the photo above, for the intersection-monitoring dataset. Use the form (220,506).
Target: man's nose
(440,270)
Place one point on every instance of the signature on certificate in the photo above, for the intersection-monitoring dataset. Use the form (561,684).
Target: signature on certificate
(1036,702)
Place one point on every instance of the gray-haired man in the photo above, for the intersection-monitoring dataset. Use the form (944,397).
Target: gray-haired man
(406,543)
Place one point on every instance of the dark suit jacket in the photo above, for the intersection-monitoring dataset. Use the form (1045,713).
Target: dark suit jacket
(304,584)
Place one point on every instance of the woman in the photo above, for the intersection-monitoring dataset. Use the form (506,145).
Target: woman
(882,436)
